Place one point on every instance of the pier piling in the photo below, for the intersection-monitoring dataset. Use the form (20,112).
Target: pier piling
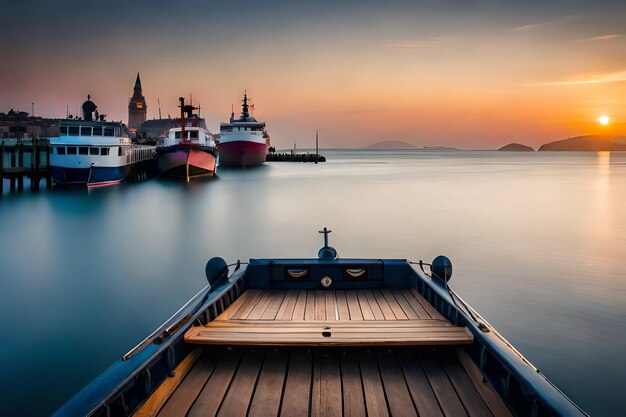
(22,158)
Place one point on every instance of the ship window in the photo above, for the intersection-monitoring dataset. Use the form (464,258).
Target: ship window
(85,131)
(97,130)
(104,151)
(108,131)
(72,130)
(83,150)
(94,151)
(71,150)
(61,150)
(177,135)
(119,151)
(63,130)
(193,134)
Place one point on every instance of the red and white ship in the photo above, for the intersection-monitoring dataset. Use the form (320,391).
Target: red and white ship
(188,151)
(243,142)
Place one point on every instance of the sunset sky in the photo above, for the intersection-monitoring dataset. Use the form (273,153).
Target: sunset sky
(468,74)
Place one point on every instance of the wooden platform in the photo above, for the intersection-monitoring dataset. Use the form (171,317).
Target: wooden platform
(335,318)
(294,382)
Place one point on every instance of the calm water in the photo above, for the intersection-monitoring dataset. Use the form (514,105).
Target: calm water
(537,242)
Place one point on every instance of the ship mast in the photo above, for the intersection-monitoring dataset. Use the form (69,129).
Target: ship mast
(182,119)
(244,110)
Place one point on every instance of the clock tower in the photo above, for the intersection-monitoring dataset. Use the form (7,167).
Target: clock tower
(136,107)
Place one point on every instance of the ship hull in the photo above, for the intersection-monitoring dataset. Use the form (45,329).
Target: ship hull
(187,162)
(89,177)
(241,153)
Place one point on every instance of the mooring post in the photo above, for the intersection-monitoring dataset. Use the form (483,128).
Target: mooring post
(13,166)
(20,178)
(2,169)
(34,176)
(48,175)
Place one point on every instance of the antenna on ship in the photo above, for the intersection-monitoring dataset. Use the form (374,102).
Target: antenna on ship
(317,147)
(159,102)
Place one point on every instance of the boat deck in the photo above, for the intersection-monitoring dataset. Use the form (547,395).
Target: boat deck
(330,318)
(326,381)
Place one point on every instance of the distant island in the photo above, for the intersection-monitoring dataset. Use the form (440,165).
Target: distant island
(392,144)
(587,143)
(398,144)
(516,147)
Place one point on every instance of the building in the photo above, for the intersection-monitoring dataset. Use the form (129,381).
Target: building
(19,125)
(136,107)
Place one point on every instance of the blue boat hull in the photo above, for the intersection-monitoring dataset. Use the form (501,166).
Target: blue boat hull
(95,176)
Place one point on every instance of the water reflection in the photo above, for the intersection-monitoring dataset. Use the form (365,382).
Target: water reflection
(537,241)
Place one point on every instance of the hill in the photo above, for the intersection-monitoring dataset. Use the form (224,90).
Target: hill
(516,147)
(392,144)
(587,143)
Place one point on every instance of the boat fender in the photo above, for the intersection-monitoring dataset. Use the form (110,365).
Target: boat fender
(441,268)
(216,270)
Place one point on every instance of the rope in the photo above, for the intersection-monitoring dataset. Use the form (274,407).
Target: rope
(453,297)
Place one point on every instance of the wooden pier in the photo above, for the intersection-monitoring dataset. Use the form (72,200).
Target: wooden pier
(24,158)
(295,157)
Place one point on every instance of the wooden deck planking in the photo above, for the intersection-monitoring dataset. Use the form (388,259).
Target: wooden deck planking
(326,398)
(432,311)
(415,304)
(331,306)
(376,311)
(353,305)
(442,387)
(421,391)
(301,382)
(249,304)
(286,310)
(384,305)
(352,387)
(273,306)
(309,313)
(375,400)
(186,394)
(342,305)
(164,391)
(300,307)
(304,317)
(410,312)
(366,309)
(466,391)
(320,305)
(398,396)
(394,305)
(239,395)
(485,389)
(262,305)
(232,310)
(268,393)
(210,398)
(297,392)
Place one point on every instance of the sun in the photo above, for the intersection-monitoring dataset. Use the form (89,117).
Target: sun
(604,120)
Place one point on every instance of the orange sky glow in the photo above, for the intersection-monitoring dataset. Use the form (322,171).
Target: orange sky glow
(473,83)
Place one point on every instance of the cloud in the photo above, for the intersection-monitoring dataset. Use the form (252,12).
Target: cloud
(602,37)
(615,77)
(528,27)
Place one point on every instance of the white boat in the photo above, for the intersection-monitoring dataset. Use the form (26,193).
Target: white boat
(243,142)
(189,150)
(93,152)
